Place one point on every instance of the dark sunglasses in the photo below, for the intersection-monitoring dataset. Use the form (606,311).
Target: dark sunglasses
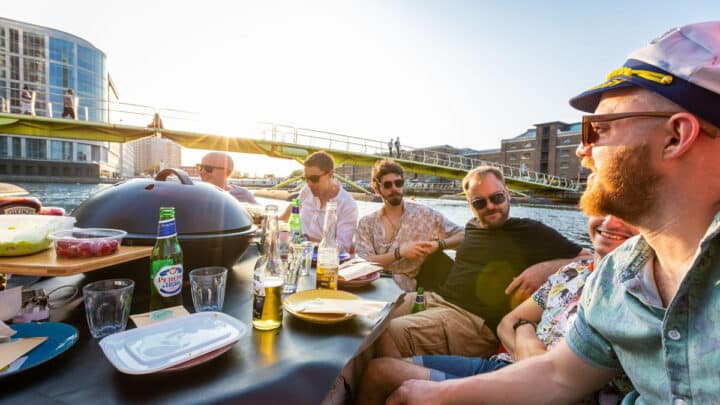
(399,183)
(207,168)
(590,135)
(313,177)
(495,198)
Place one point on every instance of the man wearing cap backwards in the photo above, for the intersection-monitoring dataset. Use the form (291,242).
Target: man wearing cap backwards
(652,307)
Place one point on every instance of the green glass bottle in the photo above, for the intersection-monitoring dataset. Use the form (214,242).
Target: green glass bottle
(295,223)
(166,264)
(419,304)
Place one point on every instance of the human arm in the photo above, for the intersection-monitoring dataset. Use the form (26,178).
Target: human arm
(524,337)
(286,214)
(347,215)
(551,378)
(532,278)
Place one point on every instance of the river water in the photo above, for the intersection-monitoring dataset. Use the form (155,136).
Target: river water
(569,222)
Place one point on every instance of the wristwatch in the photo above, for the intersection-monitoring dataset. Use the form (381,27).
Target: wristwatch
(521,322)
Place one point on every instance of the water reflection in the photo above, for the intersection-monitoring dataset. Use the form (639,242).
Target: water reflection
(569,222)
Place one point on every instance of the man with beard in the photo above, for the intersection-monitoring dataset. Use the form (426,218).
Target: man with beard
(533,328)
(652,307)
(401,234)
(462,314)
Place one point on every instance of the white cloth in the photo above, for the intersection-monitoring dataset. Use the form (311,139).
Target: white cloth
(313,216)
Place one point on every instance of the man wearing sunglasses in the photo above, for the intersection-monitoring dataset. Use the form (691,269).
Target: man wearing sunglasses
(532,328)
(462,314)
(652,307)
(400,235)
(321,187)
(215,168)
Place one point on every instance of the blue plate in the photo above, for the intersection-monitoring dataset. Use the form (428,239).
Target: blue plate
(60,337)
(343,256)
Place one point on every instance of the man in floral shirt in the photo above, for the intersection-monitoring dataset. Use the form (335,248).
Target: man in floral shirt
(529,330)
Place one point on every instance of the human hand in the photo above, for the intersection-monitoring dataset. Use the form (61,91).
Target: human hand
(417,392)
(527,282)
(415,250)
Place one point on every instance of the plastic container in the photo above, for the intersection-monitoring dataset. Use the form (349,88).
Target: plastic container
(28,234)
(88,242)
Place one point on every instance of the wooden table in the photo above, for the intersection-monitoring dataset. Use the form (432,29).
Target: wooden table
(46,263)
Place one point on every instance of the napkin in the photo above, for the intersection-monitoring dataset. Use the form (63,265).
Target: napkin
(368,308)
(160,315)
(16,348)
(357,269)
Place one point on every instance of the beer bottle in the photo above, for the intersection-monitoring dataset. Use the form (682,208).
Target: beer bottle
(295,223)
(328,254)
(419,304)
(267,277)
(166,264)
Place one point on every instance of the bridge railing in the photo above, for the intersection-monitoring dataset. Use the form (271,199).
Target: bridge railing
(346,143)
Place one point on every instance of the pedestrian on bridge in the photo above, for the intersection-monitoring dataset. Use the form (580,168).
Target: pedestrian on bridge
(390,146)
(69,105)
(397,146)
(27,101)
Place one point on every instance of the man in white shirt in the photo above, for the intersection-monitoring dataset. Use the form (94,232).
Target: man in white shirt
(320,188)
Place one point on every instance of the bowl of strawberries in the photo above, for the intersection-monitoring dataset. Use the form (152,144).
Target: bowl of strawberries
(87,242)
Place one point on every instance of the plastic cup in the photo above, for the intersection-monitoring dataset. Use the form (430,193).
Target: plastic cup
(207,287)
(107,305)
(307,254)
(291,269)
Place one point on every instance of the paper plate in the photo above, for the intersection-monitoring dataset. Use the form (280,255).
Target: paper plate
(60,337)
(360,281)
(307,295)
(171,343)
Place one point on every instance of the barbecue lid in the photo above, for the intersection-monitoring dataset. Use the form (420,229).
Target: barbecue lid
(134,206)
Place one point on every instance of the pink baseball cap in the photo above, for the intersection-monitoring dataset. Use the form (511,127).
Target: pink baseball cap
(682,65)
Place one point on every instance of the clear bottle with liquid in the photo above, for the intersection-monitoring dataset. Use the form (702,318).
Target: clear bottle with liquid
(267,276)
(328,253)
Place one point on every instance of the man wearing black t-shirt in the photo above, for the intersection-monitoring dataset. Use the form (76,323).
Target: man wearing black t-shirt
(497,252)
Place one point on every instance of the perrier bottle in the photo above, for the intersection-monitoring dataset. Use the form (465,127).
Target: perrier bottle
(419,304)
(166,264)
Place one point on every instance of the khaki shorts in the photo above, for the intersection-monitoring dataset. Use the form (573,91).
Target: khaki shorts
(442,328)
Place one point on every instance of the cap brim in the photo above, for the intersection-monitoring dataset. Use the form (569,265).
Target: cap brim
(588,100)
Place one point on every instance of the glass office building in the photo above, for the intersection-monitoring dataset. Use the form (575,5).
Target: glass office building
(49,62)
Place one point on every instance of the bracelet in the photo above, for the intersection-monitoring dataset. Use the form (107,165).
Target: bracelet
(397,254)
(520,322)
(441,244)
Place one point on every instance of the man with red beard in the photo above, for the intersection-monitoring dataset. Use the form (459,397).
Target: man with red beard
(652,307)
(463,312)
(402,234)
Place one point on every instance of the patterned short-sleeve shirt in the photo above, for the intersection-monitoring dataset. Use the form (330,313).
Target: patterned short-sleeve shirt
(559,297)
(418,222)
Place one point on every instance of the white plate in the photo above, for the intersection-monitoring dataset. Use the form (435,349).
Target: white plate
(165,344)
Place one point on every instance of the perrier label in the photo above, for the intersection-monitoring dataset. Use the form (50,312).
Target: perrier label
(166,264)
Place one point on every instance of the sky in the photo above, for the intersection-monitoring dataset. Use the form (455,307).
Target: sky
(463,73)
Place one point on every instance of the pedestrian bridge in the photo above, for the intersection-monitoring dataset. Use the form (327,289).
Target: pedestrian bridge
(286,142)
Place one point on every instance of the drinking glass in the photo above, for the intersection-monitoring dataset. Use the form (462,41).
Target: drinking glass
(207,287)
(291,269)
(107,305)
(307,254)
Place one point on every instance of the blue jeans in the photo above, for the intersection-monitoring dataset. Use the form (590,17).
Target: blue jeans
(444,367)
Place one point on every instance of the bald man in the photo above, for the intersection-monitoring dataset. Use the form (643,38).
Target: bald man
(215,168)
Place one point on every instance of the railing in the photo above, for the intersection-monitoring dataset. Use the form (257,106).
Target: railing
(350,144)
